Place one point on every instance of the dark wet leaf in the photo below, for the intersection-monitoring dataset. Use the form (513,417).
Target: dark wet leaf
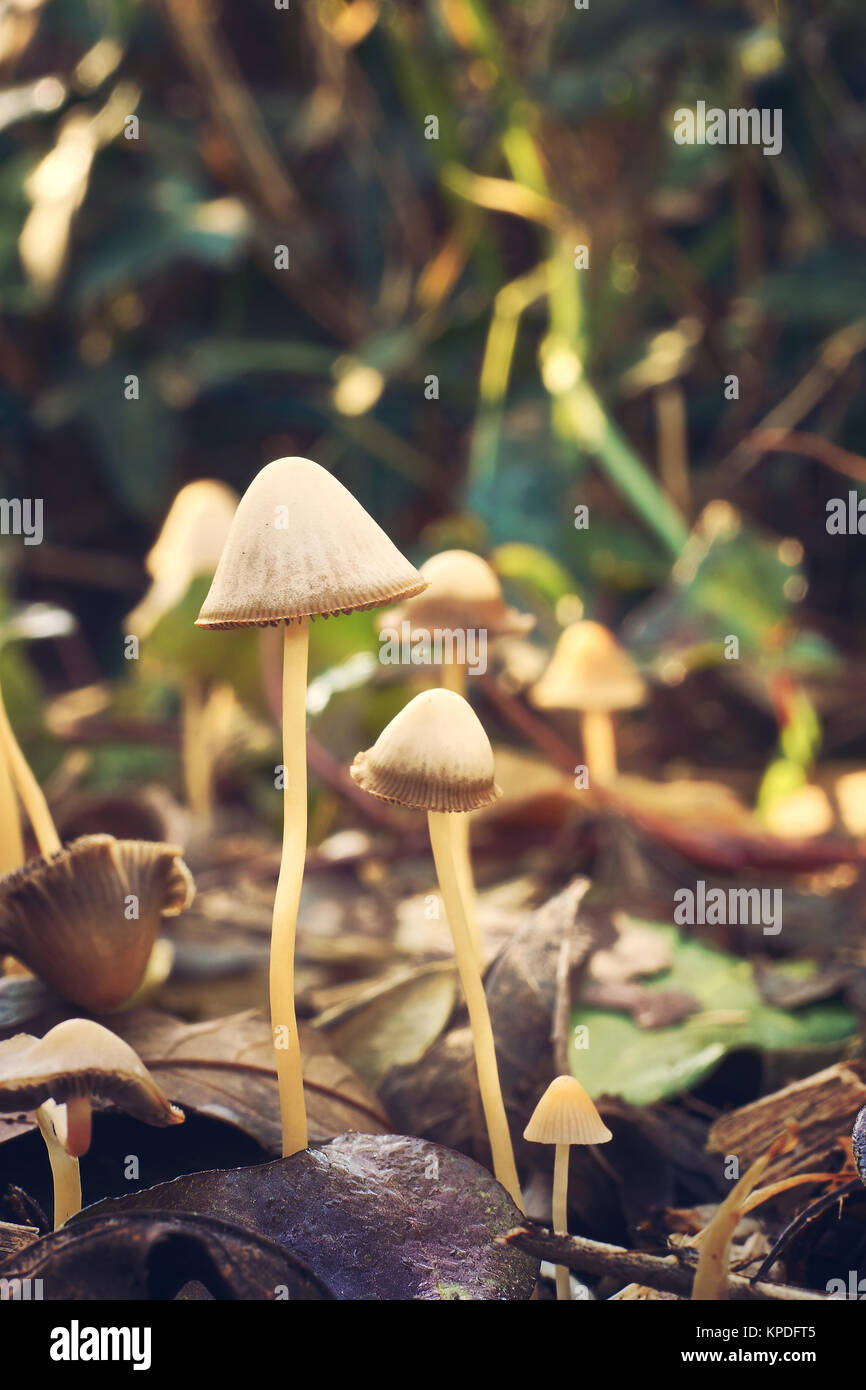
(373,1216)
(143,1255)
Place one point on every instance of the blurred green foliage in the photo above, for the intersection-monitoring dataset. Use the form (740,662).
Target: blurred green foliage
(435,339)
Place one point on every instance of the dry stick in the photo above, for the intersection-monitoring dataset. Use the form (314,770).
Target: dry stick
(443,846)
(711,1276)
(835,356)
(664,1272)
(803,1218)
(333,773)
(288,895)
(28,788)
(673,454)
(811,446)
(533,729)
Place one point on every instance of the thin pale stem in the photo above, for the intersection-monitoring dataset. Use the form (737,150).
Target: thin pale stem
(463,853)
(79,1113)
(560,1215)
(65,1173)
(196,753)
(28,788)
(599,746)
(453,675)
(288,895)
(11,840)
(442,840)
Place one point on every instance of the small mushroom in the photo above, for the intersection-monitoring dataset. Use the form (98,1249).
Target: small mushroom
(27,788)
(464,594)
(187,549)
(59,1076)
(589,672)
(11,839)
(435,756)
(565,1115)
(86,919)
(300,547)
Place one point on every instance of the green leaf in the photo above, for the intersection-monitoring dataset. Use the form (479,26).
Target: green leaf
(645,1065)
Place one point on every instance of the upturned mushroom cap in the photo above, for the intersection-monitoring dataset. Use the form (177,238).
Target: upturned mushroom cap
(86,919)
(566,1115)
(433,756)
(189,544)
(589,671)
(80,1058)
(301,546)
(464,592)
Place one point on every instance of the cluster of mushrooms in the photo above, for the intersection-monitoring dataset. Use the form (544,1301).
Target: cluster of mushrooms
(298,546)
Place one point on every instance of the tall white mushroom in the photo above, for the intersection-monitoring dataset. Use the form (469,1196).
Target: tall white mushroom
(300,547)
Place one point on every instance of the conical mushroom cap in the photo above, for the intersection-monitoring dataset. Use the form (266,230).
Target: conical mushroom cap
(589,671)
(433,756)
(464,592)
(80,1058)
(189,544)
(566,1115)
(85,920)
(301,546)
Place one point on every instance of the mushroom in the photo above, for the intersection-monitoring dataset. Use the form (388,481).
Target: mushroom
(565,1115)
(27,787)
(435,756)
(590,672)
(58,1076)
(464,595)
(300,547)
(187,549)
(11,839)
(85,919)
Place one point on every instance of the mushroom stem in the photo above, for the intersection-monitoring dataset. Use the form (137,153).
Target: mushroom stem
(454,679)
(288,895)
(560,1215)
(78,1125)
(446,856)
(599,745)
(65,1174)
(197,761)
(11,840)
(28,788)
(463,852)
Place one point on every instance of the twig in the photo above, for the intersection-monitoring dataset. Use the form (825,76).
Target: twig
(811,446)
(668,1273)
(535,730)
(835,356)
(803,1218)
